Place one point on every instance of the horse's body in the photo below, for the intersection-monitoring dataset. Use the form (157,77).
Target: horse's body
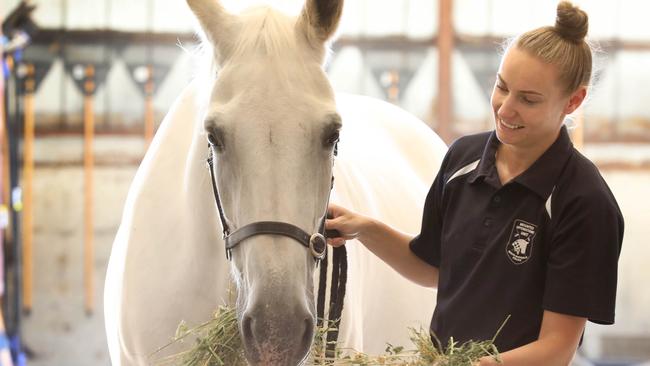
(168,262)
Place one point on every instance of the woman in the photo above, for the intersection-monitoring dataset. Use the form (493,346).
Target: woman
(517,222)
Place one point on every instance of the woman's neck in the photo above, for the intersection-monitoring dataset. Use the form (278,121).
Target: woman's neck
(511,161)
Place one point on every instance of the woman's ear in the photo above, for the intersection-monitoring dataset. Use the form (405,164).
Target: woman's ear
(575,100)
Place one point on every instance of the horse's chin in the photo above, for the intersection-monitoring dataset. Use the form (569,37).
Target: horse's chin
(272,357)
(276,354)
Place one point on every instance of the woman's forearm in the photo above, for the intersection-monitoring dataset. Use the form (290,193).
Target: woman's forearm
(558,340)
(537,353)
(392,246)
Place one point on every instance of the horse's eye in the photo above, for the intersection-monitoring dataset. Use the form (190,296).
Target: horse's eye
(333,139)
(212,139)
(215,140)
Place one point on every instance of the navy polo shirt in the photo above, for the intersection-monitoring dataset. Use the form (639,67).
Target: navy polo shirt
(547,240)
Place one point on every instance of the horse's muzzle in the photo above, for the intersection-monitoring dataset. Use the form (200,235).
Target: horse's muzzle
(276,338)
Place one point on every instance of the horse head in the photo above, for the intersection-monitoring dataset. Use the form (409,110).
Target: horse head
(272,128)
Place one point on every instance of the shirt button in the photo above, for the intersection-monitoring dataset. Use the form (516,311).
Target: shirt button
(487,222)
(496,199)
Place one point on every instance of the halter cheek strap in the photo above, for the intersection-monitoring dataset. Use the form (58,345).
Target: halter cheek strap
(215,192)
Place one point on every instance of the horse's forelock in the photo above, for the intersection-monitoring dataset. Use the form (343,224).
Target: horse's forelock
(272,37)
(269,32)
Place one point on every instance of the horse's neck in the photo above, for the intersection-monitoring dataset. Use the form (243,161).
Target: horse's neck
(196,190)
(173,186)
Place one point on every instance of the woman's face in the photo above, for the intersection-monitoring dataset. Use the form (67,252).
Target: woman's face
(529,103)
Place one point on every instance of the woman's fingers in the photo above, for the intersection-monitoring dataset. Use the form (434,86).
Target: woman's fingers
(334,226)
(336,242)
(338,223)
(347,223)
(334,211)
(340,220)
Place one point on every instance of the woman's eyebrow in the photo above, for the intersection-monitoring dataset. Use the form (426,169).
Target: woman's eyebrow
(520,91)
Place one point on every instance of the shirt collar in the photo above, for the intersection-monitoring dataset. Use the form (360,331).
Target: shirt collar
(539,177)
(486,166)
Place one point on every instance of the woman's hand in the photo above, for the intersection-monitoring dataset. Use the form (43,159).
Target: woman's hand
(349,224)
(487,361)
(390,245)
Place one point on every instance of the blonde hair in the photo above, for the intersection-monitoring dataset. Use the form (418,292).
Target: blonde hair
(563,45)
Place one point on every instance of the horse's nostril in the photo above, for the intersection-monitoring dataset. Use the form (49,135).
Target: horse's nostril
(308,333)
(247,327)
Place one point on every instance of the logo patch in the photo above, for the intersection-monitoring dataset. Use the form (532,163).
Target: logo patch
(520,244)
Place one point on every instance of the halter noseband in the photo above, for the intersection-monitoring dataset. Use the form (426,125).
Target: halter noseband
(316,242)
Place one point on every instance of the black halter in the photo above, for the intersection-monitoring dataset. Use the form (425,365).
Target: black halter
(316,242)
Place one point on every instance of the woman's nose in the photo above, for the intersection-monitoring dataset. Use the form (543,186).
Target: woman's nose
(506,110)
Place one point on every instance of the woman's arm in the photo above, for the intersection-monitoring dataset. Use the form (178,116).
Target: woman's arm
(388,244)
(556,345)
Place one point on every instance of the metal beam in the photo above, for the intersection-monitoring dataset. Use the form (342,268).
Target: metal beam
(49,36)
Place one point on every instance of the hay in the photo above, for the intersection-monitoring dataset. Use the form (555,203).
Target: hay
(217,343)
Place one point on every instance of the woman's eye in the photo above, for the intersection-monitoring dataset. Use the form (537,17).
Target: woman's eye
(529,101)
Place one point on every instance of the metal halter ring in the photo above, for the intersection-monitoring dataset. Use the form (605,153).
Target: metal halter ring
(318,245)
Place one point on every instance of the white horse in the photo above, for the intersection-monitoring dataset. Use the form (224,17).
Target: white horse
(272,120)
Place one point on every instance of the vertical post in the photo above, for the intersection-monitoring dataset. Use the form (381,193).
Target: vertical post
(443,109)
(148,107)
(27,191)
(4,140)
(393,87)
(89,131)
(5,354)
(4,174)
(4,157)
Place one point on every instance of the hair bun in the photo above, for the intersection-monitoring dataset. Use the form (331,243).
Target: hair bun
(571,22)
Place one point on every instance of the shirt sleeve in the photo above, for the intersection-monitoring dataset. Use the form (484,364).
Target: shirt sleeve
(426,245)
(583,259)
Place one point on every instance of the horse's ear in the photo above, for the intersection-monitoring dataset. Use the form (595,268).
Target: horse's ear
(320,18)
(218,25)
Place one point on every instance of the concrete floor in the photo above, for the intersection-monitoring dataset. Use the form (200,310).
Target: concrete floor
(58,330)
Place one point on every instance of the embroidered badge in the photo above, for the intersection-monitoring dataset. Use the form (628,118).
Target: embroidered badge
(520,244)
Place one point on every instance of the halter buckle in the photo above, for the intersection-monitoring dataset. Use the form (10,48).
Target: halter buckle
(318,246)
